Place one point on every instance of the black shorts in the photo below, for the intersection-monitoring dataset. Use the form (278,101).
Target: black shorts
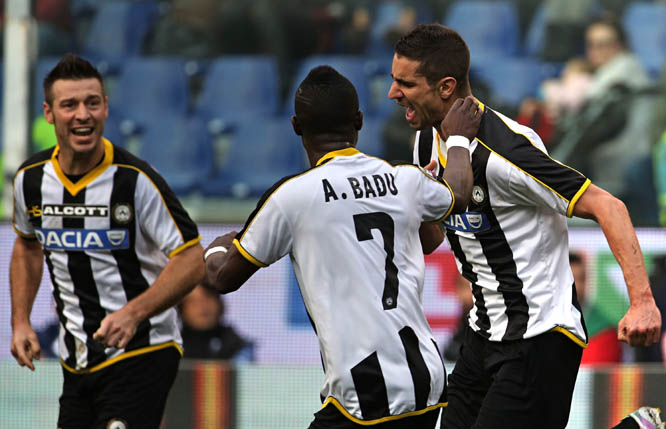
(512,384)
(132,391)
(330,417)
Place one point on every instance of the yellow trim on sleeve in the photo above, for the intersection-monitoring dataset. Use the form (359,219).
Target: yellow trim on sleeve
(184,246)
(247,256)
(123,356)
(341,152)
(569,335)
(332,400)
(453,202)
(579,194)
(440,155)
(75,188)
(537,180)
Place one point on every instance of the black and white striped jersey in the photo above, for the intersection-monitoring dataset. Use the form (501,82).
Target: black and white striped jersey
(350,226)
(106,237)
(512,242)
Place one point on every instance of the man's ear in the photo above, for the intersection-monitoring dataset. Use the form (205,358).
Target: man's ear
(296,125)
(48,112)
(358,120)
(446,87)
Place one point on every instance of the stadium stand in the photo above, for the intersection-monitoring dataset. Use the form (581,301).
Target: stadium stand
(118,29)
(239,85)
(256,153)
(179,148)
(490,28)
(645,25)
(151,87)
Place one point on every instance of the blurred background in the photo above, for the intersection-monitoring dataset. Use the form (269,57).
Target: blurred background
(203,90)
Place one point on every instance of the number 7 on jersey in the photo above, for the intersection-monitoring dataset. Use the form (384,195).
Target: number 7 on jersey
(364,224)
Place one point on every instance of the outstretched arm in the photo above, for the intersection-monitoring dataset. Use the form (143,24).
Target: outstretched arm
(226,268)
(641,325)
(25,275)
(175,281)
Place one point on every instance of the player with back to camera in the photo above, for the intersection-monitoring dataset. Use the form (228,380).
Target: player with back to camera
(523,346)
(121,251)
(350,226)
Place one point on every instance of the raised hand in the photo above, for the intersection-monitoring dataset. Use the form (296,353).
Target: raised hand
(463,119)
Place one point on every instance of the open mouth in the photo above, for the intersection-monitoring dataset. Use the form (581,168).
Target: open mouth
(82,131)
(410,113)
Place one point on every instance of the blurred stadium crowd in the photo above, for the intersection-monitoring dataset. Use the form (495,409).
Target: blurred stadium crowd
(203,88)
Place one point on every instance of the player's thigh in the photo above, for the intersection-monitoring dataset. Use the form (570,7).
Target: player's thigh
(135,390)
(76,411)
(467,385)
(534,387)
(557,370)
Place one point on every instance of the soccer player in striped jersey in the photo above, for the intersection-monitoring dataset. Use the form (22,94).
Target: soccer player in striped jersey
(350,225)
(121,251)
(522,350)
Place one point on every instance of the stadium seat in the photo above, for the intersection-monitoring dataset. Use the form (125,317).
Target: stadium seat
(179,149)
(357,69)
(43,67)
(257,153)
(387,15)
(118,29)
(511,80)
(645,25)
(370,140)
(239,85)
(490,28)
(151,87)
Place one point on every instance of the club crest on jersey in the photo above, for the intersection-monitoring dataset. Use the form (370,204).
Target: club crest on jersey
(122,213)
(467,222)
(83,239)
(478,194)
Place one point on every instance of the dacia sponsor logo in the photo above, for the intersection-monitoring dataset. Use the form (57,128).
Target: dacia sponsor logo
(83,239)
(74,210)
(467,222)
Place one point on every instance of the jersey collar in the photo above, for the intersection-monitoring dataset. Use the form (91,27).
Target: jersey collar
(75,188)
(340,152)
(440,155)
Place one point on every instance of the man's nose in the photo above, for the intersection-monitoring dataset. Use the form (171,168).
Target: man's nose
(82,113)
(394,92)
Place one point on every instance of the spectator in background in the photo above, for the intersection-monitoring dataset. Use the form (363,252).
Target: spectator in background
(204,29)
(607,137)
(205,336)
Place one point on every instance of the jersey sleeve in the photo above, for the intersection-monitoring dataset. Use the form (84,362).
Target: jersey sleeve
(267,234)
(559,195)
(20,219)
(534,178)
(162,217)
(437,196)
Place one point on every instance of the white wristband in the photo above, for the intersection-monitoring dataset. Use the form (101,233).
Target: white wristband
(457,141)
(215,249)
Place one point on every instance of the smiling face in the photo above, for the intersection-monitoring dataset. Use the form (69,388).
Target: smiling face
(424,106)
(78,110)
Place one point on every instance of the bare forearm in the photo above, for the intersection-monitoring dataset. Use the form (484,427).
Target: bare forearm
(431,236)
(613,218)
(25,275)
(175,281)
(623,243)
(458,174)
